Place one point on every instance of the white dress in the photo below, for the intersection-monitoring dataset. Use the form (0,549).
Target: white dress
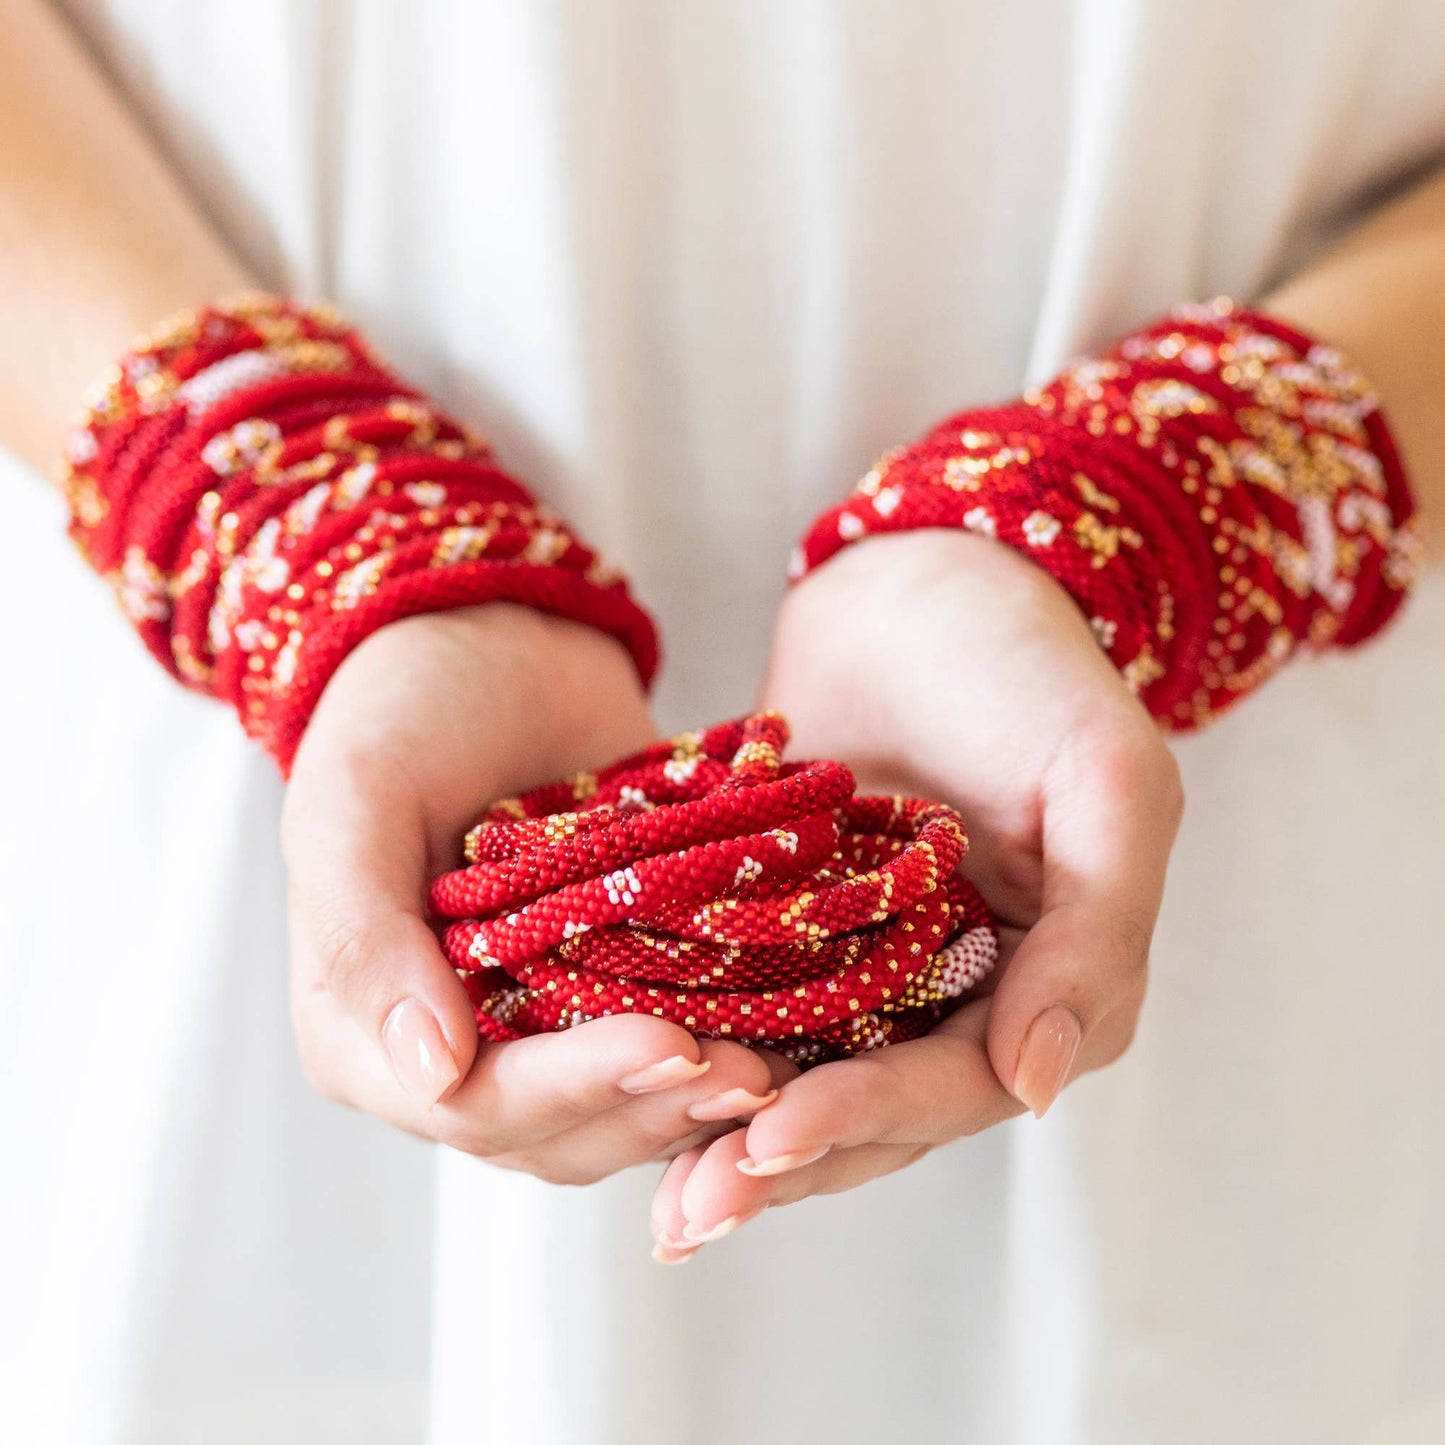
(693,265)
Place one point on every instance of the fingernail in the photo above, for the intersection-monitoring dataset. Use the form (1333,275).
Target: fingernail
(418,1051)
(764,1168)
(666,1254)
(1047,1055)
(729,1105)
(695,1236)
(665,1075)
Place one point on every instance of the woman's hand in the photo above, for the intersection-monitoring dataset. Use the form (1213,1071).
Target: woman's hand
(944,665)
(427,722)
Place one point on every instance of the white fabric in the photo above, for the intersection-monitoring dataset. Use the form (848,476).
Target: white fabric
(693,265)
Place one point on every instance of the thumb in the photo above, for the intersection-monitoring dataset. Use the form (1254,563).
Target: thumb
(1070,995)
(356,851)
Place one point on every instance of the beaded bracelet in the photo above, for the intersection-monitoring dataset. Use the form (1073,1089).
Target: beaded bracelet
(707,882)
(1216,491)
(263,494)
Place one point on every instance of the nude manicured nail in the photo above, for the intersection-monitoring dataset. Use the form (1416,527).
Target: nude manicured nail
(695,1236)
(729,1104)
(665,1075)
(1047,1055)
(418,1051)
(666,1254)
(765,1168)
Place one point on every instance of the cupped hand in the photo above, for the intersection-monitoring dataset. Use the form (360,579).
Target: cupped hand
(944,665)
(425,723)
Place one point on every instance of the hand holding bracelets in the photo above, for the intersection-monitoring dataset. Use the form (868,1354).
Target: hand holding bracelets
(707,882)
(263,494)
(1215,491)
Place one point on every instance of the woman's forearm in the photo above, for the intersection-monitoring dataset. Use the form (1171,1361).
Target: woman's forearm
(1380,297)
(97,238)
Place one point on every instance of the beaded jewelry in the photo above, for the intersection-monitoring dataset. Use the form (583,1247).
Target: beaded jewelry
(263,494)
(1215,492)
(707,882)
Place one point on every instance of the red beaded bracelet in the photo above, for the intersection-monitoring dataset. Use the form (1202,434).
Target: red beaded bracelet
(1215,491)
(263,494)
(707,882)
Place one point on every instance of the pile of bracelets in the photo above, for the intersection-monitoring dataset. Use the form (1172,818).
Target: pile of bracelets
(1215,491)
(707,882)
(263,494)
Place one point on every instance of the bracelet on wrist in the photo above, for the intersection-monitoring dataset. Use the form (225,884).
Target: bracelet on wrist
(263,494)
(1216,491)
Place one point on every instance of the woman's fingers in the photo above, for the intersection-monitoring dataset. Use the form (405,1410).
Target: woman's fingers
(703,1196)
(837,1126)
(668,1221)
(523,1093)
(571,1107)
(923,1092)
(732,1084)
(356,855)
(712,1199)
(1111,812)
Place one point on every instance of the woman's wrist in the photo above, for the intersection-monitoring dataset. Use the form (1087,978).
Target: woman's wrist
(508,693)
(889,596)
(545,684)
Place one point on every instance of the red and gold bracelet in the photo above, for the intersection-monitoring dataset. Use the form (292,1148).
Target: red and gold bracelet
(263,494)
(707,882)
(1216,491)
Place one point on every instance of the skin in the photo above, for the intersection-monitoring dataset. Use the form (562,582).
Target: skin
(1012,714)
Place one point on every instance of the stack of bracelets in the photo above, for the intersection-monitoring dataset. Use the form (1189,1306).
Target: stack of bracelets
(709,883)
(263,494)
(1214,492)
